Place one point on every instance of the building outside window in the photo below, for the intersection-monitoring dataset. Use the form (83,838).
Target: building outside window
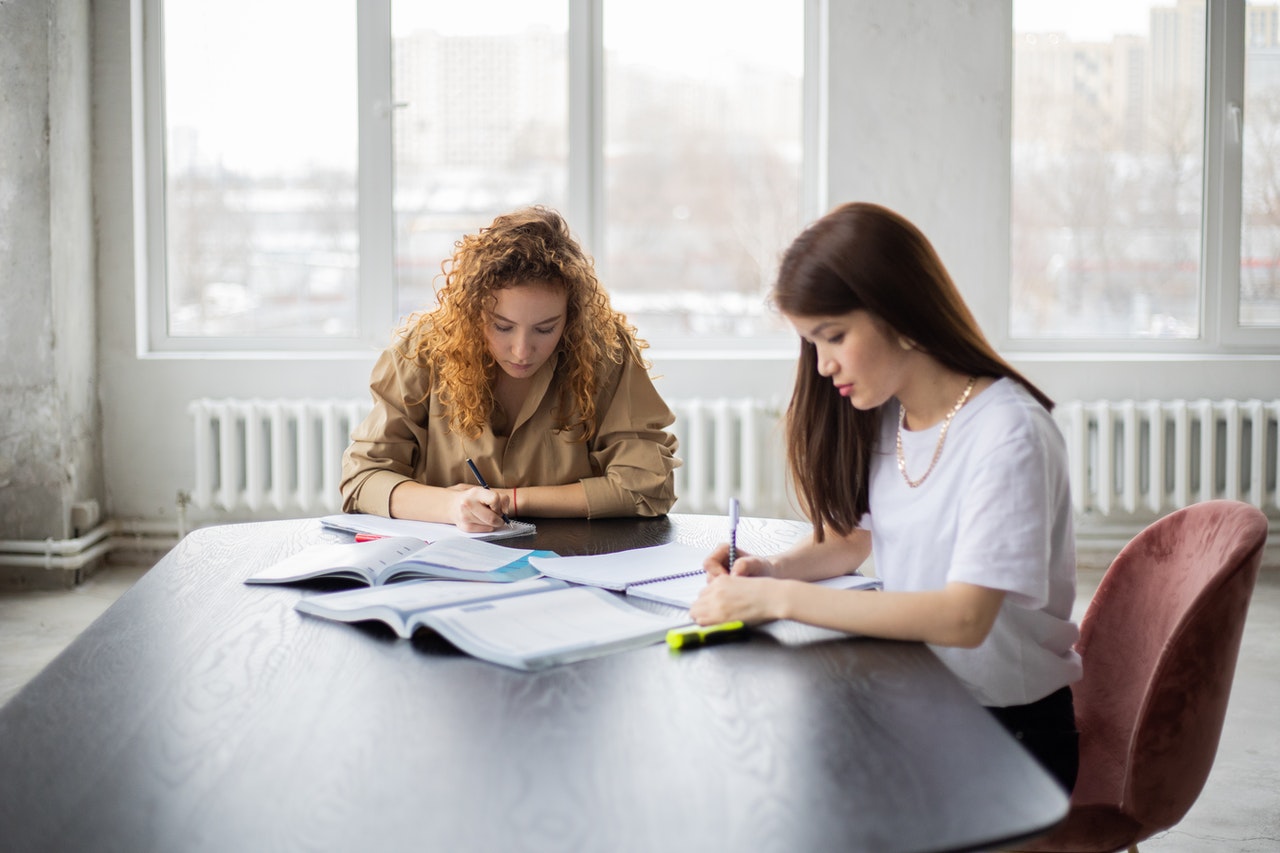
(670,140)
(309,186)
(1114,234)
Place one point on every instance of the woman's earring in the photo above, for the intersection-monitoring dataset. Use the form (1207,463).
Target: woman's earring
(906,343)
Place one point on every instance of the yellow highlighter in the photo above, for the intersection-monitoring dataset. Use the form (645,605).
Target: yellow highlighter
(704,635)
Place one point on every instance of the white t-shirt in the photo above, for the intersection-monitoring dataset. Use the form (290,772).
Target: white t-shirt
(995,512)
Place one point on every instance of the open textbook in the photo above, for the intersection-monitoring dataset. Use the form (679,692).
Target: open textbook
(669,574)
(530,624)
(397,558)
(429,531)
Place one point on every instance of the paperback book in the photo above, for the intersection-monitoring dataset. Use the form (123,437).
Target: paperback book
(529,625)
(398,558)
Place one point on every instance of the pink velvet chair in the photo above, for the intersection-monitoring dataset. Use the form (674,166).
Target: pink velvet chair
(1159,642)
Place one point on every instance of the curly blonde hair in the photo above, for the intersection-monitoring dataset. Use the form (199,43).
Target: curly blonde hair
(532,245)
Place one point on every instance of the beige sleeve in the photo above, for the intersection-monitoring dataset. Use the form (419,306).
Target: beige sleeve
(388,446)
(633,449)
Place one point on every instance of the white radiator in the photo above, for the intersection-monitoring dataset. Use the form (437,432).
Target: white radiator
(286,455)
(1129,460)
(1140,459)
(731,448)
(281,454)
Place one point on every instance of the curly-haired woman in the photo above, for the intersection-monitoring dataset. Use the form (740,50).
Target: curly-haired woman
(525,369)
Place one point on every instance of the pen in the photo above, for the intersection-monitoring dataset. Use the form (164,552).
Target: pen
(479,479)
(733,531)
(368,537)
(705,635)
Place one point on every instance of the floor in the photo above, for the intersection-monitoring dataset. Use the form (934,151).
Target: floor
(1238,810)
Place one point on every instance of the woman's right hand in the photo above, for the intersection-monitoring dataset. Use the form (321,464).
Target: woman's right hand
(745,564)
(474,509)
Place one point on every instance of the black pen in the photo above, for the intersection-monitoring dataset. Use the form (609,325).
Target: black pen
(483,484)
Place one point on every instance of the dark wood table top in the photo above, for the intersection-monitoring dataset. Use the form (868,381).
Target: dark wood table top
(199,713)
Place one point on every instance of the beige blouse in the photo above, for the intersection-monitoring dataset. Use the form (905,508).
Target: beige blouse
(626,468)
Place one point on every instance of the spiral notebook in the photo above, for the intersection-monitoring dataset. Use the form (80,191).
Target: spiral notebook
(428,531)
(622,570)
(668,574)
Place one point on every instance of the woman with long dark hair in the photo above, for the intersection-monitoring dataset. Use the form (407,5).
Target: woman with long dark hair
(909,438)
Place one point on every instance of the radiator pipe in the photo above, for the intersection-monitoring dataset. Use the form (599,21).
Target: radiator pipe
(50,547)
(80,551)
(63,562)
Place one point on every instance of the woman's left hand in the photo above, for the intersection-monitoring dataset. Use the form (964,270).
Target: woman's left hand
(727,598)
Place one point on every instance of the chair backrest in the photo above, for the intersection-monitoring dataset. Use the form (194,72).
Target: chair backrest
(1159,643)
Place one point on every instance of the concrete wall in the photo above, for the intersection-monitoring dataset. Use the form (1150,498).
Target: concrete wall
(50,424)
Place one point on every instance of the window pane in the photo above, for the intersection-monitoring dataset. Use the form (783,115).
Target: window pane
(702,161)
(1260,238)
(481,125)
(260,160)
(1107,168)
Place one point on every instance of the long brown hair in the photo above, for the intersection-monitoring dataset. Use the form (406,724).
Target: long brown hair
(866,257)
(533,245)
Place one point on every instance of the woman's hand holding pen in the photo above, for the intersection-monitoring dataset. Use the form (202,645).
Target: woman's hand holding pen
(743,591)
(717,564)
(477,510)
(730,597)
(471,508)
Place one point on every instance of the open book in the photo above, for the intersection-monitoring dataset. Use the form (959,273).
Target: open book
(531,624)
(429,531)
(396,558)
(669,574)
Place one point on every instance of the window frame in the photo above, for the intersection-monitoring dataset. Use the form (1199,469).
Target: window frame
(376,277)
(374,221)
(1221,221)
(1220,225)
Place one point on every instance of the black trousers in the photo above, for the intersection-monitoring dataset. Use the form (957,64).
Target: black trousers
(1047,729)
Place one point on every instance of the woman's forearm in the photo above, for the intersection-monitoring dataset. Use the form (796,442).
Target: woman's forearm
(835,555)
(959,614)
(567,501)
(422,503)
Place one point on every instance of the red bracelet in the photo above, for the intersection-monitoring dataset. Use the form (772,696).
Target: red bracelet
(515,506)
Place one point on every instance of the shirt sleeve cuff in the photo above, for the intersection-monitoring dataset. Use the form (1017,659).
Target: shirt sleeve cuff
(605,500)
(375,492)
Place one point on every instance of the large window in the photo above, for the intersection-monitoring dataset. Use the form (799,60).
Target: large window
(320,158)
(1128,127)
(260,169)
(702,161)
(481,124)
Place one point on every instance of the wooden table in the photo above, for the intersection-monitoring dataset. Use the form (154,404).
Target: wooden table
(200,714)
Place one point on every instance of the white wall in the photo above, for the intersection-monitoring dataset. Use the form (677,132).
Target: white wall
(919,120)
(919,100)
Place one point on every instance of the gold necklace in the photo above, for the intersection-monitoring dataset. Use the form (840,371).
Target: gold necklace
(942,435)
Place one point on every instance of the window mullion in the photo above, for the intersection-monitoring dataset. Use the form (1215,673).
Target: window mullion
(816,110)
(586,124)
(1224,95)
(151,292)
(375,213)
